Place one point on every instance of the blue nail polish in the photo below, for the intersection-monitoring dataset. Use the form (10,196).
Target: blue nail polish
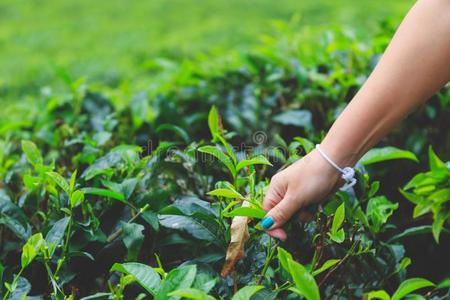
(267,222)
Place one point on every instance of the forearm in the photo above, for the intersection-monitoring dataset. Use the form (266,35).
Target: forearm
(414,66)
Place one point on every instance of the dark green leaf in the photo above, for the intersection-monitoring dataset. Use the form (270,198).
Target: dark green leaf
(300,118)
(104,193)
(133,238)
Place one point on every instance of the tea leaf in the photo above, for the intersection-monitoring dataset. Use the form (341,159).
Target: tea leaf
(258,160)
(104,193)
(179,278)
(32,153)
(60,181)
(222,157)
(239,236)
(410,285)
(191,293)
(247,292)
(304,281)
(376,155)
(145,275)
(227,193)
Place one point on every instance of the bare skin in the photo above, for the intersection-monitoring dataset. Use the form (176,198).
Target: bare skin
(414,66)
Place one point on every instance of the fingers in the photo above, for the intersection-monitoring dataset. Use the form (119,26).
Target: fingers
(275,192)
(281,213)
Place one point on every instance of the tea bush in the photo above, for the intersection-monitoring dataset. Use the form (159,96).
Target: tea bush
(161,198)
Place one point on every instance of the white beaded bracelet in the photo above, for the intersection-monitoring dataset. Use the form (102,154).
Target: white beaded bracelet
(348,173)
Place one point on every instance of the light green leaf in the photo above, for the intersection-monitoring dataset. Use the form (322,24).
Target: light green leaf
(222,157)
(404,263)
(378,210)
(214,122)
(338,236)
(283,258)
(179,278)
(304,281)
(306,144)
(60,181)
(32,153)
(410,285)
(145,275)
(252,212)
(326,265)
(104,193)
(227,193)
(247,292)
(258,160)
(380,294)
(191,293)
(438,224)
(73,179)
(376,155)
(76,198)
(435,162)
(444,284)
(31,249)
(338,219)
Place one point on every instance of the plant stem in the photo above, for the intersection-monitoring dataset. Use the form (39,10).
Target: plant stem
(14,282)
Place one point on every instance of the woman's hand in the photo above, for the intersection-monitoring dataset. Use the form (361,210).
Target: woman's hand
(308,181)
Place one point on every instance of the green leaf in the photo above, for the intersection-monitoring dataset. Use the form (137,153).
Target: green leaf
(60,181)
(380,294)
(76,198)
(145,275)
(13,217)
(222,157)
(410,232)
(258,160)
(442,285)
(404,263)
(338,219)
(435,162)
(438,224)
(247,292)
(73,179)
(104,193)
(304,281)
(376,155)
(133,238)
(191,293)
(283,258)
(252,212)
(56,234)
(374,187)
(31,249)
(410,285)
(326,265)
(227,193)
(378,210)
(306,144)
(195,227)
(214,122)
(32,153)
(179,278)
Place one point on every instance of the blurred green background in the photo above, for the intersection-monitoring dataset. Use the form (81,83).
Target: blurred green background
(111,41)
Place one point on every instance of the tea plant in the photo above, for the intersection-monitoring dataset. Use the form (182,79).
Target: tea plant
(162,198)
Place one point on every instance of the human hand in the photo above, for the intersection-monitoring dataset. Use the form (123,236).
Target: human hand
(308,181)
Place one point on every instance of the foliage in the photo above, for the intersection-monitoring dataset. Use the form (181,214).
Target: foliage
(163,198)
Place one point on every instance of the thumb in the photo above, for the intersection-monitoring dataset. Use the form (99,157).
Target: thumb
(281,213)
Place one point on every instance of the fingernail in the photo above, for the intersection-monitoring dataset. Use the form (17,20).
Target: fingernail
(267,222)
(312,209)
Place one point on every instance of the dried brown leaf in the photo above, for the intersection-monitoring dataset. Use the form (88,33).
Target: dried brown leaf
(239,236)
